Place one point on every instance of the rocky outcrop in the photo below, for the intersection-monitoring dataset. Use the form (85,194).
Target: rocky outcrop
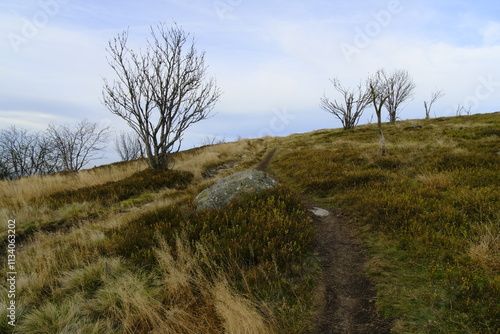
(224,190)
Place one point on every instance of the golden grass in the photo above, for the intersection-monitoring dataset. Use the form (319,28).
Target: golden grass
(238,314)
(242,151)
(437,180)
(19,192)
(486,251)
(95,294)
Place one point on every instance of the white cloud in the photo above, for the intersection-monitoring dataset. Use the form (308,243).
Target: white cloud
(28,119)
(491,33)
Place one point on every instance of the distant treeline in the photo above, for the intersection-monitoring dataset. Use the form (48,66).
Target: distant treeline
(59,148)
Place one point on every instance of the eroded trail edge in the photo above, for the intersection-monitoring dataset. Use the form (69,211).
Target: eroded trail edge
(345,297)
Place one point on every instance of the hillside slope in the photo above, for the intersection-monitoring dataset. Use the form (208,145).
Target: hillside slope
(428,213)
(119,249)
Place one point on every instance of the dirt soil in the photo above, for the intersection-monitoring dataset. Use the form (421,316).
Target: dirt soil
(345,297)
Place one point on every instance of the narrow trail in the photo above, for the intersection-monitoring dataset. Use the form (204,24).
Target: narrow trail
(345,297)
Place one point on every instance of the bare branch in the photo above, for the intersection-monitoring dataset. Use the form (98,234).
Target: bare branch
(402,87)
(79,145)
(462,110)
(160,91)
(379,93)
(129,146)
(23,153)
(351,108)
(436,95)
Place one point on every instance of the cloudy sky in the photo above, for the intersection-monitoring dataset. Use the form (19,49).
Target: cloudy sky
(272,59)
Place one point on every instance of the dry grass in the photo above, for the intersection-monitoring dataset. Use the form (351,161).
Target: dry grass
(89,293)
(486,251)
(20,192)
(436,180)
(242,152)
(68,283)
(238,314)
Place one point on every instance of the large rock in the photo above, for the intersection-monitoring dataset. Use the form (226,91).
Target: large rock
(224,190)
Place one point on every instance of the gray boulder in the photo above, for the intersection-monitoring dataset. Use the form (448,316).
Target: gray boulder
(226,189)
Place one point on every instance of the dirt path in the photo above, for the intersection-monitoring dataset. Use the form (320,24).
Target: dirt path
(345,297)
(264,163)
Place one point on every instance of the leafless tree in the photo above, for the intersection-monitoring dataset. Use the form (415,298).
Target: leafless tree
(129,146)
(159,91)
(461,110)
(351,108)
(79,145)
(212,140)
(402,88)
(379,93)
(23,153)
(434,97)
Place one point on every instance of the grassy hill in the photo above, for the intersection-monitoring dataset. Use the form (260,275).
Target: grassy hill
(120,249)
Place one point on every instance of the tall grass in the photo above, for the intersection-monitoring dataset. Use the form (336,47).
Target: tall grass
(20,192)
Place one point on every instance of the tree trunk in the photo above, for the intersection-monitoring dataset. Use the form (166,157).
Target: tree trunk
(382,141)
(381,134)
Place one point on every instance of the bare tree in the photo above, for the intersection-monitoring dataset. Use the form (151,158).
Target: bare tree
(350,109)
(159,91)
(434,97)
(212,140)
(379,93)
(129,146)
(461,110)
(23,153)
(401,86)
(79,145)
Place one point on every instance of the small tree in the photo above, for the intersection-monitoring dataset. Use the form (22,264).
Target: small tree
(79,145)
(402,88)
(379,93)
(159,91)
(434,97)
(350,109)
(212,140)
(129,146)
(461,110)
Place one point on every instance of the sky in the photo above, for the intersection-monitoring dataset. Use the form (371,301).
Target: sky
(273,60)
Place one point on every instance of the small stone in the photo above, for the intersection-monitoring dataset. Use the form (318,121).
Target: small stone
(320,212)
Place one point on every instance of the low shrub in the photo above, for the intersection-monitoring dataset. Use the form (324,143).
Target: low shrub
(111,192)
(262,241)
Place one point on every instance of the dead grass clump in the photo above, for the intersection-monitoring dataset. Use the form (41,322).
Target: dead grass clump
(129,300)
(238,314)
(437,180)
(486,251)
(198,296)
(41,261)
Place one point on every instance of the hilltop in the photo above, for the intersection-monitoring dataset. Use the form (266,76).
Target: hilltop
(120,249)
